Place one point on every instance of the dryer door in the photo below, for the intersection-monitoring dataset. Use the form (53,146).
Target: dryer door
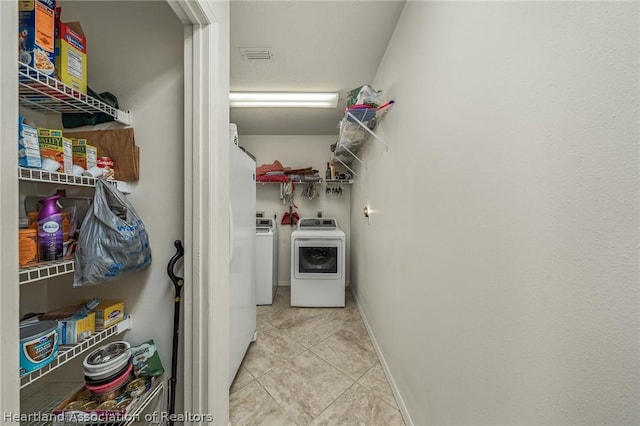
(318,258)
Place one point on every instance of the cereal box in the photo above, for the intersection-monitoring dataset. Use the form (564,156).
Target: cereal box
(53,145)
(28,147)
(84,155)
(71,58)
(36,34)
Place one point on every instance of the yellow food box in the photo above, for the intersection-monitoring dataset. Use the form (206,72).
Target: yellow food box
(72,330)
(71,59)
(53,145)
(75,330)
(84,155)
(109,312)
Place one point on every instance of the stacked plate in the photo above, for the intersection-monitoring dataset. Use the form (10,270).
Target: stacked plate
(107,370)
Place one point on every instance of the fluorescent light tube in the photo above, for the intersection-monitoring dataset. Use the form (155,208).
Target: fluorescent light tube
(283,100)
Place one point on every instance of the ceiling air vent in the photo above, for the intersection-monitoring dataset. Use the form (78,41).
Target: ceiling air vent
(256,52)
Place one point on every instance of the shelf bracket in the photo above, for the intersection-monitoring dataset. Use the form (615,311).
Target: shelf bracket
(348,168)
(386,147)
(353,155)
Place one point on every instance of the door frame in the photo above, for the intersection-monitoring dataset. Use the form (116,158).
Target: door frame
(206,321)
(206,117)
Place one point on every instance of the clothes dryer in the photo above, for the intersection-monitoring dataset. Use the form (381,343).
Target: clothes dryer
(318,253)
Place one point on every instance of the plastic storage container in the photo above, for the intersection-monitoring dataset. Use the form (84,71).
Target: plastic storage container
(38,345)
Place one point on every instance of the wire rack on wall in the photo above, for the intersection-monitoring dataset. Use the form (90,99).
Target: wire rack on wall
(38,405)
(69,352)
(42,92)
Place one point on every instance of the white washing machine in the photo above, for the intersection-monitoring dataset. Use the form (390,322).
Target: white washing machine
(266,260)
(318,256)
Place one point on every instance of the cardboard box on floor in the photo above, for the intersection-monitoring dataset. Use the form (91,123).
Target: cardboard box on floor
(119,145)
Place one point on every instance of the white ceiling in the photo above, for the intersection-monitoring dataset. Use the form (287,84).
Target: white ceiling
(317,46)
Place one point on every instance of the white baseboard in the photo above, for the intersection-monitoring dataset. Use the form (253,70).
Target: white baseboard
(394,388)
(288,284)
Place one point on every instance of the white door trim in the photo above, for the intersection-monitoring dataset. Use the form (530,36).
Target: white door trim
(9,289)
(205,355)
(206,321)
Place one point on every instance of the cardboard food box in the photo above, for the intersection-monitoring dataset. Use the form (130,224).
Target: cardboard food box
(28,146)
(53,145)
(71,58)
(76,330)
(36,34)
(84,155)
(72,330)
(108,313)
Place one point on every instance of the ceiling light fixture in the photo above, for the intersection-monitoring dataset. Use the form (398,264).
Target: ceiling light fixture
(283,100)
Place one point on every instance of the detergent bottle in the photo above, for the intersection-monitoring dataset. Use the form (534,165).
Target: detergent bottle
(50,230)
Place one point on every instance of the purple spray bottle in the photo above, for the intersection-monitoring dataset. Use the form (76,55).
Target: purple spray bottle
(50,230)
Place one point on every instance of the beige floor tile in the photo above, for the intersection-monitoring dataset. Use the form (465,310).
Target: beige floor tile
(282,383)
(243,378)
(313,331)
(289,317)
(280,302)
(348,352)
(376,381)
(358,406)
(270,350)
(252,405)
(305,387)
(308,326)
(357,327)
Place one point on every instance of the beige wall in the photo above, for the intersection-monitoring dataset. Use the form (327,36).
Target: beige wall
(141,62)
(499,273)
(297,152)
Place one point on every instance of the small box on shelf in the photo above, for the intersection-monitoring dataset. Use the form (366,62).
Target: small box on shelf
(72,330)
(108,313)
(36,34)
(56,147)
(71,58)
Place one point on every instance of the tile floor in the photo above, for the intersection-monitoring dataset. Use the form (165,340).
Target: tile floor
(311,366)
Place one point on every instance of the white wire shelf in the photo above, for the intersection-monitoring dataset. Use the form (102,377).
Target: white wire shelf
(46,270)
(39,175)
(40,92)
(69,352)
(37,407)
(345,181)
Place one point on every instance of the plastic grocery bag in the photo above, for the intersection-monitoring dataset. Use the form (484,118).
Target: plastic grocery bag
(113,241)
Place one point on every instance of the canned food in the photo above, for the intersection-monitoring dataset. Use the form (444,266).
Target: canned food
(137,387)
(75,405)
(105,163)
(89,405)
(85,395)
(122,404)
(107,405)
